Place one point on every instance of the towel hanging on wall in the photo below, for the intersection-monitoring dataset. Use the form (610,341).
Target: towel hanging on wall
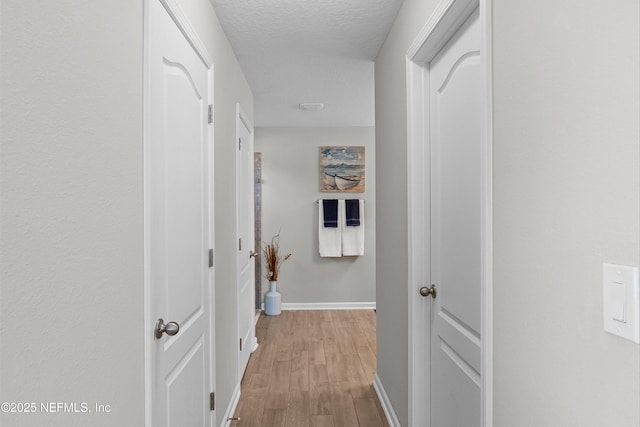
(352,212)
(330,212)
(330,238)
(353,236)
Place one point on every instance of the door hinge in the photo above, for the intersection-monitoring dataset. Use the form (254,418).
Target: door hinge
(210,257)
(212,401)
(210,113)
(239,144)
(240,244)
(240,344)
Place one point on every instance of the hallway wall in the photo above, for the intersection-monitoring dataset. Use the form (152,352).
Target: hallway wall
(566,188)
(71,225)
(71,197)
(391,147)
(567,194)
(290,171)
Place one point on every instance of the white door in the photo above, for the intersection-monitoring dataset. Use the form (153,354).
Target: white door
(178,225)
(246,250)
(455,117)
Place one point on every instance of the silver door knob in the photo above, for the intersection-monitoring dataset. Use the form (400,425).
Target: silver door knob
(170,328)
(253,254)
(426,291)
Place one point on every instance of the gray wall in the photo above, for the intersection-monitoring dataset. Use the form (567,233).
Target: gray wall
(566,165)
(391,192)
(71,224)
(290,171)
(71,197)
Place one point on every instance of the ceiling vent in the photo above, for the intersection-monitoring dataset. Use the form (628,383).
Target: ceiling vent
(311,106)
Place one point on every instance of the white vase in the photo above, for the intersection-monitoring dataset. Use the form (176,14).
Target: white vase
(272,300)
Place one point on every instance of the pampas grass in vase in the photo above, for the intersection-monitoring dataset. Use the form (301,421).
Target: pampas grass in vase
(273,299)
(273,258)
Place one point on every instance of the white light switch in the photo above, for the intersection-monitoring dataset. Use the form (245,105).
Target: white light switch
(618,301)
(621,301)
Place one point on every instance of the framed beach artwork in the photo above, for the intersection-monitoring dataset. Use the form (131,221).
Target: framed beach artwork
(342,169)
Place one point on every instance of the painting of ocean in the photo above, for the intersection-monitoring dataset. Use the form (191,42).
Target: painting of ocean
(342,169)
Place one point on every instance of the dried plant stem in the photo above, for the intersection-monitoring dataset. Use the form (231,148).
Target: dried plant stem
(273,258)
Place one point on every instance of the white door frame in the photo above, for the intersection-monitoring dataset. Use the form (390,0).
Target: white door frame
(443,23)
(179,17)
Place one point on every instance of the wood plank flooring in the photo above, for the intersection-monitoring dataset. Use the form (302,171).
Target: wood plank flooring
(312,369)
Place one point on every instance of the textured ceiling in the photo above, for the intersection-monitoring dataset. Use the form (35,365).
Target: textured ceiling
(302,51)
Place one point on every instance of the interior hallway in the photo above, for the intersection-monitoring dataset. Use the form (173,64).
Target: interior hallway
(312,369)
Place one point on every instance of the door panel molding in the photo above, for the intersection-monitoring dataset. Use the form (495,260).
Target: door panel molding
(446,20)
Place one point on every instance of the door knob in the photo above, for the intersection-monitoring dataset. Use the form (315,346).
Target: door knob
(253,254)
(170,328)
(426,291)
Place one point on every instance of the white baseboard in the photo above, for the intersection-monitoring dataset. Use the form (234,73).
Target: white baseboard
(233,404)
(392,418)
(329,306)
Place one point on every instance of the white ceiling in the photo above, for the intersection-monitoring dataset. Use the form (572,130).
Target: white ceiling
(303,51)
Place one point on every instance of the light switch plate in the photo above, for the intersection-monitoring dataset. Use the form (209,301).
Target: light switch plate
(621,301)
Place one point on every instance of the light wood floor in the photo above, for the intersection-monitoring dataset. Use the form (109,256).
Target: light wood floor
(312,369)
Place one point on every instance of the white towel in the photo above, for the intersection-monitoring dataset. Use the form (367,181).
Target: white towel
(352,237)
(330,239)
